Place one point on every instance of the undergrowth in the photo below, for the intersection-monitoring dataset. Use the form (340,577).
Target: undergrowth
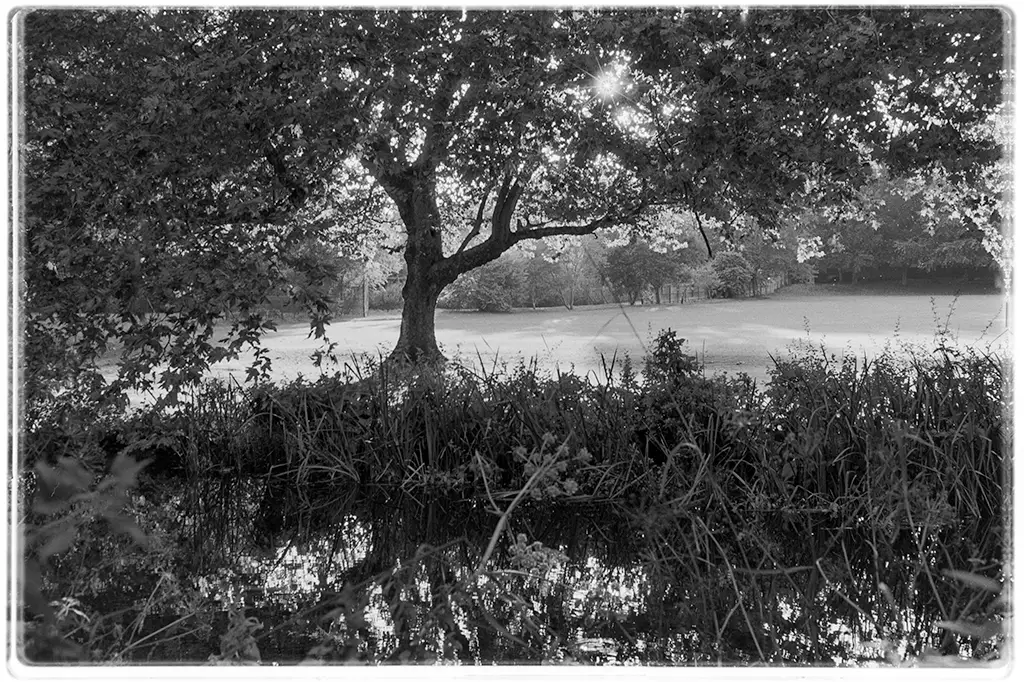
(755,513)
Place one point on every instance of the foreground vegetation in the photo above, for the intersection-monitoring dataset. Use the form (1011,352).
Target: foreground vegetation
(849,510)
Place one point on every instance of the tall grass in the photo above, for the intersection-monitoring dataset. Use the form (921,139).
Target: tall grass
(861,487)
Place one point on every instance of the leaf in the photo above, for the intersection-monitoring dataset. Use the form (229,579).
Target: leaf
(74,474)
(59,485)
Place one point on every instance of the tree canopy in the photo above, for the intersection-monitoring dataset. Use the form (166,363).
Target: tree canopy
(174,158)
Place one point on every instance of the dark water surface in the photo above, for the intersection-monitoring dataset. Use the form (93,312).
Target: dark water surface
(378,574)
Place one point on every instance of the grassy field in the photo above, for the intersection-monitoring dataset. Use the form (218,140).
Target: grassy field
(729,335)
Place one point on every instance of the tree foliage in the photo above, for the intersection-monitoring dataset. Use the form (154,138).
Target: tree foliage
(923,221)
(173,158)
(491,288)
(633,268)
(705,279)
(735,273)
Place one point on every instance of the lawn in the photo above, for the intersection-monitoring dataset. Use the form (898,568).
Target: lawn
(730,335)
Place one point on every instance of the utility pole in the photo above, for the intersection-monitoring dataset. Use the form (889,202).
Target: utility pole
(366,290)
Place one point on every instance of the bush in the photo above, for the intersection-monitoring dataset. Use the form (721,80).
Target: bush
(494,287)
(387,298)
(734,273)
(705,279)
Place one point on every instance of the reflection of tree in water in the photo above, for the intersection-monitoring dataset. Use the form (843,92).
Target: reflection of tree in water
(378,575)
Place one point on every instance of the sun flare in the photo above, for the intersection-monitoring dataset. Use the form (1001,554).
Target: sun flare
(608,84)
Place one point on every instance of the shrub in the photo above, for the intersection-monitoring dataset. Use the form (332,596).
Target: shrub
(668,361)
(705,279)
(734,273)
(490,288)
(388,297)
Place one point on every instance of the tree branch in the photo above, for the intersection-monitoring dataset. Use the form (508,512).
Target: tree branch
(541,232)
(297,191)
(501,220)
(477,223)
(700,226)
(438,131)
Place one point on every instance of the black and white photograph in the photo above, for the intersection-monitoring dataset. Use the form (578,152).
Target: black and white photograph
(670,338)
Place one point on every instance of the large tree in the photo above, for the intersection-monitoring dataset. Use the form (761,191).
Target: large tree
(174,156)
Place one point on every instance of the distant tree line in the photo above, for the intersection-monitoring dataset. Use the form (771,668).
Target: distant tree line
(893,228)
(921,224)
(628,269)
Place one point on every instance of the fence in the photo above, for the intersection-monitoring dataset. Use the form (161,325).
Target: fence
(686,291)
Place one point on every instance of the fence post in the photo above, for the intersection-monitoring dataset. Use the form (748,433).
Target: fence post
(366,293)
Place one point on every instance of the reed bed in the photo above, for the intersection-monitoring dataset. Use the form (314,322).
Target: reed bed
(872,488)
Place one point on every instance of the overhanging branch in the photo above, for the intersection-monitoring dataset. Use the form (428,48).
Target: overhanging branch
(477,222)
(483,253)
(542,232)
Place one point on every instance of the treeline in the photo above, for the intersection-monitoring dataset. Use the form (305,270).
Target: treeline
(892,228)
(574,271)
(899,227)
(592,274)
(672,260)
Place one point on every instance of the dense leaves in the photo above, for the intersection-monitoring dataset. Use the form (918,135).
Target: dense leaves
(173,158)
(633,268)
(735,273)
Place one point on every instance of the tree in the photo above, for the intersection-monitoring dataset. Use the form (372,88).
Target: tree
(541,278)
(852,246)
(734,273)
(662,269)
(633,268)
(493,287)
(975,207)
(167,184)
(908,222)
(185,150)
(705,279)
(903,242)
(624,271)
(578,263)
(775,254)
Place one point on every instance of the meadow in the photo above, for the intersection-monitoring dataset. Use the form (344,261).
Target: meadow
(726,335)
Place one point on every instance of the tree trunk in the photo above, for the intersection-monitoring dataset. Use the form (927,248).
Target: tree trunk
(366,293)
(417,342)
(903,277)
(423,282)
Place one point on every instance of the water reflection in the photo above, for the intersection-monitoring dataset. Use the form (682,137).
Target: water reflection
(374,574)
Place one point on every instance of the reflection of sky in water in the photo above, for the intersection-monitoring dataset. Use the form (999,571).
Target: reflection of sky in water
(297,577)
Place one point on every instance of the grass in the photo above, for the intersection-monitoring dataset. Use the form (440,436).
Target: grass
(728,335)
